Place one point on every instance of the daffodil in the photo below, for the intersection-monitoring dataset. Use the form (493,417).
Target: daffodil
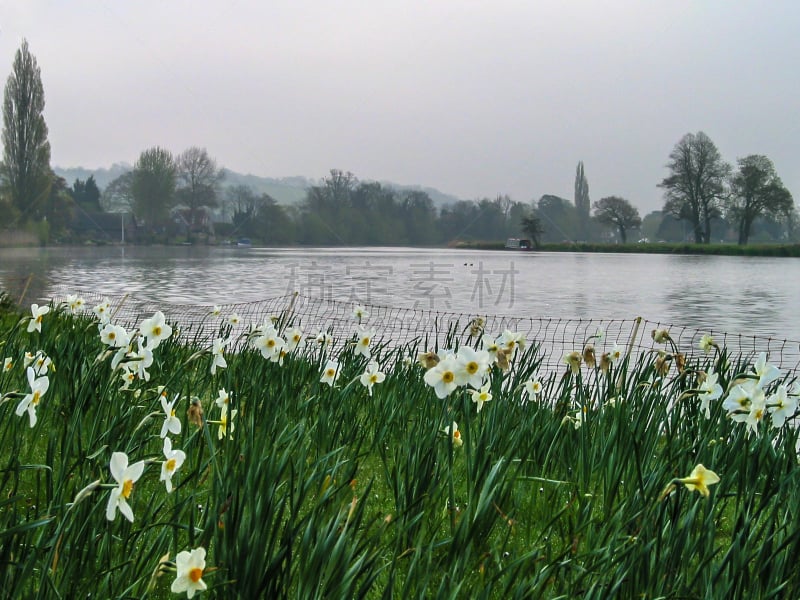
(472,366)
(172,424)
(114,336)
(225,422)
(442,377)
(699,479)
(481,396)
(217,357)
(223,398)
(216,311)
(330,373)
(39,386)
(371,376)
(234,319)
(511,340)
(766,372)
(37,312)
(781,406)
(155,330)
(190,567)
(454,434)
(293,338)
(323,339)
(660,336)
(103,311)
(40,362)
(270,344)
(428,359)
(360,313)
(74,303)
(173,462)
(8,364)
(573,361)
(589,356)
(709,390)
(125,475)
(363,340)
(707,343)
(531,388)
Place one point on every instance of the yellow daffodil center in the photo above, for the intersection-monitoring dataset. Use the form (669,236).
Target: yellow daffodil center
(270,343)
(456,435)
(195,574)
(330,373)
(296,338)
(365,341)
(157,330)
(172,412)
(112,335)
(448,377)
(472,368)
(171,465)
(373,379)
(36,397)
(9,366)
(127,488)
(39,319)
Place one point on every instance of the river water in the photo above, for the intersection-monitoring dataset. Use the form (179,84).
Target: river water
(753,296)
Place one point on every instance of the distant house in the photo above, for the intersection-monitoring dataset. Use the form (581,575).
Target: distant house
(103,227)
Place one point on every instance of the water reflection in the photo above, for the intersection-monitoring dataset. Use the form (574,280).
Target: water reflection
(751,296)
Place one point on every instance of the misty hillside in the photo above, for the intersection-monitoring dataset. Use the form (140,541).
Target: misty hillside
(286,190)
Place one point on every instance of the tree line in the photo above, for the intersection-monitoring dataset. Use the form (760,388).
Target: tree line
(169,196)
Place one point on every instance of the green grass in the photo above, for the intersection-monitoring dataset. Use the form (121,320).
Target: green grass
(328,492)
(791,250)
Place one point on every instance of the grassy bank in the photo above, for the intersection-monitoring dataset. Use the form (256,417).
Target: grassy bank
(581,483)
(665,248)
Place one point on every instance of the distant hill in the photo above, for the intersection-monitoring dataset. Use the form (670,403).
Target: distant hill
(286,190)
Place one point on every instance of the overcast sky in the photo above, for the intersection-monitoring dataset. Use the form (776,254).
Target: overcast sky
(475,98)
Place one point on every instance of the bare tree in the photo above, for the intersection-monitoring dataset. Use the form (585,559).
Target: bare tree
(695,187)
(198,181)
(26,151)
(619,213)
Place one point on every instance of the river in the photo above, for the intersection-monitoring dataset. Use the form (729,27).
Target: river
(751,296)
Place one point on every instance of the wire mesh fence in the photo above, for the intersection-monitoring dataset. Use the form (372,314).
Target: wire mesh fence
(429,329)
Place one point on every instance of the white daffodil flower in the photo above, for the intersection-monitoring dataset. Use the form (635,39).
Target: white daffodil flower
(371,376)
(173,462)
(37,312)
(190,567)
(39,386)
(125,475)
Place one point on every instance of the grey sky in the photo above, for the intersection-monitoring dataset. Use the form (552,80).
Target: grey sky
(475,98)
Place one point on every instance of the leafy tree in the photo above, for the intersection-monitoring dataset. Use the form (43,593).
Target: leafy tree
(558,217)
(198,178)
(695,187)
(619,213)
(419,218)
(86,194)
(582,203)
(756,190)
(26,151)
(533,228)
(118,195)
(58,207)
(153,186)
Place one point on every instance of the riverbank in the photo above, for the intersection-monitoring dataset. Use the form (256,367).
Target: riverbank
(792,250)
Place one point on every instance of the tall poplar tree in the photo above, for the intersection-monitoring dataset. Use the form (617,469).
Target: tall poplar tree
(26,151)
(582,204)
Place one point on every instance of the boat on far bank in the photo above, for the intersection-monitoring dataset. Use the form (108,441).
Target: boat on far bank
(517,244)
